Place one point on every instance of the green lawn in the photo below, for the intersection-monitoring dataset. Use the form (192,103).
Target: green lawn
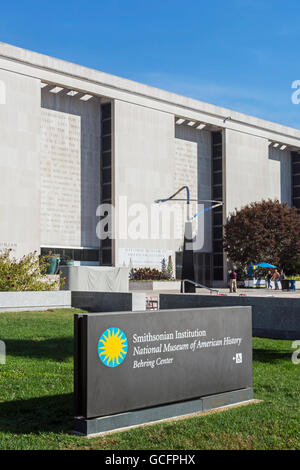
(36,397)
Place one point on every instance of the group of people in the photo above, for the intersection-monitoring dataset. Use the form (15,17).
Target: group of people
(276,277)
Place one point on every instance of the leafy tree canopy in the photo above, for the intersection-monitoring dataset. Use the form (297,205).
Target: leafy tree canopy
(264,231)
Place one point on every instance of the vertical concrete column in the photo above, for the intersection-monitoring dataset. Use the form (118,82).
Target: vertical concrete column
(20,99)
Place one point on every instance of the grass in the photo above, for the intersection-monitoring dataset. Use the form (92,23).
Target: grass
(36,397)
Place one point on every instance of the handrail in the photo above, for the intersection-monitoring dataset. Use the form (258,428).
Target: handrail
(196,284)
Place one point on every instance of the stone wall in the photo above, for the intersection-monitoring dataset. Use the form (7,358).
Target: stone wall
(193,168)
(19,163)
(70,170)
(277,318)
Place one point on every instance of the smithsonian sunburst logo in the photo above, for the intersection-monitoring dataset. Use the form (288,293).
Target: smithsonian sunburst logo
(113,347)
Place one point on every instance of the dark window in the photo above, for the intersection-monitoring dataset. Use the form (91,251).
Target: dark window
(218,260)
(90,255)
(296,180)
(217,151)
(218,233)
(106,127)
(106,159)
(68,254)
(106,175)
(106,111)
(218,246)
(106,143)
(217,178)
(296,203)
(178,258)
(218,274)
(296,158)
(296,191)
(217,138)
(218,218)
(106,243)
(217,164)
(207,259)
(296,168)
(107,257)
(217,192)
(106,192)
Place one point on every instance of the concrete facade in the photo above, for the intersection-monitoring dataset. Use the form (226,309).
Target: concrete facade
(19,163)
(255,170)
(52,147)
(144,171)
(193,144)
(70,166)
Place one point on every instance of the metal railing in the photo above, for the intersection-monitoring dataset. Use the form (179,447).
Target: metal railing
(196,284)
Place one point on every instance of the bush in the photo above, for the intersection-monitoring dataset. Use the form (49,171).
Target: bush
(149,274)
(25,274)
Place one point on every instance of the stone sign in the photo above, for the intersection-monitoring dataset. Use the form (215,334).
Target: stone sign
(130,361)
(142,257)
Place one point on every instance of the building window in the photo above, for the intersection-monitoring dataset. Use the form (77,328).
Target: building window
(73,254)
(217,194)
(106,174)
(296,180)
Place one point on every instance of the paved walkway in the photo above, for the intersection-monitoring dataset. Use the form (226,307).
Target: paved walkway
(243,292)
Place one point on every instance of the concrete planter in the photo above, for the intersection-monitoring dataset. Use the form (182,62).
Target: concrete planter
(154,285)
(39,300)
(255,283)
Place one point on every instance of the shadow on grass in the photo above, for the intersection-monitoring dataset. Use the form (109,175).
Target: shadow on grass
(36,415)
(57,349)
(271,355)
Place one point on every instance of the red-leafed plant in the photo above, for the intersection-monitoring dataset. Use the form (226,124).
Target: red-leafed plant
(266,231)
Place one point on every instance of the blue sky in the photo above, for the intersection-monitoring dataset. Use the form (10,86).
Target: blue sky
(241,54)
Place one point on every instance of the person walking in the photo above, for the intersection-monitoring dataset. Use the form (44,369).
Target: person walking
(269,280)
(275,278)
(282,278)
(232,281)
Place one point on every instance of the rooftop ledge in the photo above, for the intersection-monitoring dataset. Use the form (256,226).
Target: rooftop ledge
(66,74)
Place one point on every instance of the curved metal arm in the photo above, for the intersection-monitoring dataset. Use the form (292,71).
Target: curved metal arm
(217,204)
(188,200)
(159,201)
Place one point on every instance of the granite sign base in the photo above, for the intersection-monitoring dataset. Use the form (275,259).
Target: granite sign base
(123,421)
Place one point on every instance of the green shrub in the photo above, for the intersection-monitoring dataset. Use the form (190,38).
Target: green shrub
(25,274)
(149,274)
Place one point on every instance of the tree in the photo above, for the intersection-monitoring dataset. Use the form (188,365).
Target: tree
(170,268)
(266,231)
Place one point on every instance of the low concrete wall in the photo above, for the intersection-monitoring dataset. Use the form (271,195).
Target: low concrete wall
(109,301)
(37,300)
(277,318)
(96,278)
(154,285)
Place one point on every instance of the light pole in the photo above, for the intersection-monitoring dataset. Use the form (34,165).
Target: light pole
(188,270)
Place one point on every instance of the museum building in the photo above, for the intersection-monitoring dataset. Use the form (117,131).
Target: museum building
(73,139)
